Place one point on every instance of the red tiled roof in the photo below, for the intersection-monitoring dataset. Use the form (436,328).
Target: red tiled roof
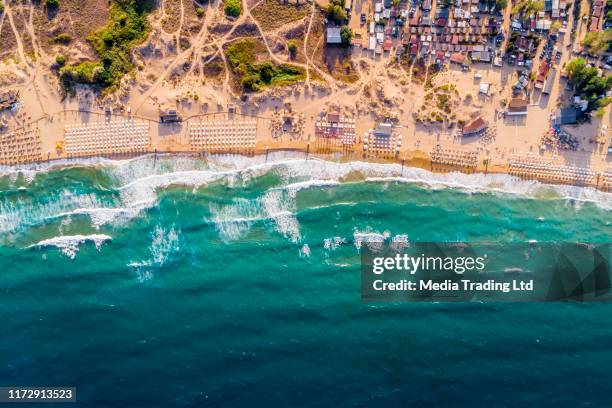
(543,68)
(475,126)
(457,58)
(517,104)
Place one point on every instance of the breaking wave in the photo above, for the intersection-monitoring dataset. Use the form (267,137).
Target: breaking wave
(69,244)
(139,181)
(164,244)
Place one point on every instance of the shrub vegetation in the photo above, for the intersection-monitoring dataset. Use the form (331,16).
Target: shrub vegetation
(233,8)
(52,4)
(598,42)
(63,38)
(60,60)
(292,46)
(256,76)
(113,43)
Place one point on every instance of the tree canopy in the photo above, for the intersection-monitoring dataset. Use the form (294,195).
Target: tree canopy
(528,8)
(597,42)
(588,83)
(233,8)
(500,5)
(335,11)
(346,34)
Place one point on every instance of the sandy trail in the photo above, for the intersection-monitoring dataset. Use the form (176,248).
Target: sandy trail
(179,58)
(308,59)
(8,10)
(278,60)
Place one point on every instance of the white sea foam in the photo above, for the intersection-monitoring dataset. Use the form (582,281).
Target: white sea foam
(501,184)
(102,216)
(333,243)
(303,185)
(140,180)
(399,242)
(164,244)
(292,165)
(280,206)
(374,240)
(69,244)
(22,213)
(29,171)
(233,221)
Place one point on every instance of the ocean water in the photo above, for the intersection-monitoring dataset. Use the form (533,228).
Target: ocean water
(230,281)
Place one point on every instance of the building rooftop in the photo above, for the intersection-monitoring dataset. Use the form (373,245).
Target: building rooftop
(474,127)
(8,98)
(383,129)
(566,116)
(517,106)
(333,35)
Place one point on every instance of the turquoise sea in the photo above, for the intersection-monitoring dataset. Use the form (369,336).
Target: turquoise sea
(172,281)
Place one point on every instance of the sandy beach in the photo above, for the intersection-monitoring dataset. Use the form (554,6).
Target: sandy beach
(427,105)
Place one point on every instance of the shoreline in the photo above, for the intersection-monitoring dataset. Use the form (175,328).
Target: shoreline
(420,163)
(174,138)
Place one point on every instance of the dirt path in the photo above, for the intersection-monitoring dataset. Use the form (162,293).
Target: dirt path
(2,21)
(8,10)
(179,58)
(308,59)
(278,60)
(195,50)
(36,43)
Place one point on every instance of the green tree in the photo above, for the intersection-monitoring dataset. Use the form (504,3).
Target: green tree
(1,7)
(292,46)
(335,11)
(588,83)
(266,72)
(200,12)
(250,82)
(347,35)
(555,27)
(597,42)
(233,8)
(528,8)
(52,4)
(60,60)
(579,73)
(500,5)
(395,3)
